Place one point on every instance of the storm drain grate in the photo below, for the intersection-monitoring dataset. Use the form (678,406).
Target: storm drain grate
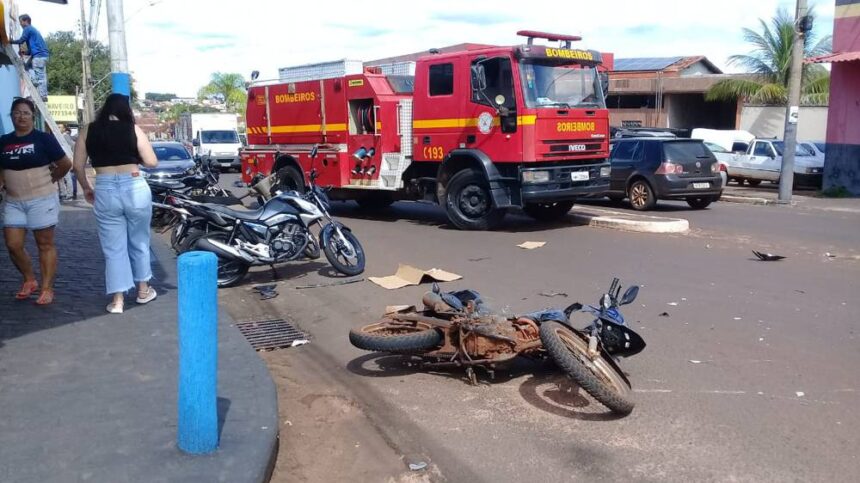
(271,334)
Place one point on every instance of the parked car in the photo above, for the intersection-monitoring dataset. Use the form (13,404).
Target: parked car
(645,170)
(763,162)
(724,157)
(818,148)
(174,161)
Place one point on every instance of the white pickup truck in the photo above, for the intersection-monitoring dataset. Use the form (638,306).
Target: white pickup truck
(763,162)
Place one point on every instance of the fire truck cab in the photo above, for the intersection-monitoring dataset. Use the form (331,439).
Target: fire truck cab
(480,130)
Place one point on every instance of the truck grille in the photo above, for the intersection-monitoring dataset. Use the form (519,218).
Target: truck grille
(569,149)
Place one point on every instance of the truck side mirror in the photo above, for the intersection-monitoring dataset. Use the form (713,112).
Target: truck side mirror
(479,77)
(195,142)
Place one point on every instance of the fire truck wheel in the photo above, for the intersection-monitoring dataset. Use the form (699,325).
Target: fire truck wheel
(289,178)
(548,211)
(468,202)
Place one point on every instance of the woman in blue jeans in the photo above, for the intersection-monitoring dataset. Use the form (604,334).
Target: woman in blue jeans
(122,201)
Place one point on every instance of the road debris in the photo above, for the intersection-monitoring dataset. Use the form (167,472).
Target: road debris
(417,466)
(693,361)
(738,318)
(481,259)
(664,314)
(409,275)
(673,304)
(266,291)
(330,284)
(530,245)
(830,255)
(299,342)
(553,293)
(800,394)
(767,257)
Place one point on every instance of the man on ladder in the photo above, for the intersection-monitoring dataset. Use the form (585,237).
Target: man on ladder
(38,51)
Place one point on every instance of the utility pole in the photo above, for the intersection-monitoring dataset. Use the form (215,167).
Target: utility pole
(87,76)
(120,80)
(792,110)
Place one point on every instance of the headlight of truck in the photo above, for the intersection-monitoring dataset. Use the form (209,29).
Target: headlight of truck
(535,176)
(605,171)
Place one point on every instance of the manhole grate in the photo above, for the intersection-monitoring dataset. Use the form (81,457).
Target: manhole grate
(270,334)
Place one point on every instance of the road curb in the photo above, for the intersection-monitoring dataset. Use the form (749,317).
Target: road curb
(627,222)
(746,199)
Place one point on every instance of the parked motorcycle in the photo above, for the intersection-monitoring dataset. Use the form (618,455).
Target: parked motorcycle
(455,329)
(278,231)
(201,185)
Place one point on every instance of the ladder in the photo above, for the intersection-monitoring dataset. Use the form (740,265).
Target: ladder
(37,100)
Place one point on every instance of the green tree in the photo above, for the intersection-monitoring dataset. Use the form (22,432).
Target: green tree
(769,63)
(228,87)
(65,69)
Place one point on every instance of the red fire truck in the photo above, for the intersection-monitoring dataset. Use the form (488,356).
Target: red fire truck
(479,130)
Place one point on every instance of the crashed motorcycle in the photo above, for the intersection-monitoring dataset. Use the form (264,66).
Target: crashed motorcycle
(278,231)
(456,329)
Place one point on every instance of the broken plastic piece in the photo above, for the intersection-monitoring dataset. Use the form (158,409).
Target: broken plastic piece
(299,342)
(664,314)
(417,466)
(767,257)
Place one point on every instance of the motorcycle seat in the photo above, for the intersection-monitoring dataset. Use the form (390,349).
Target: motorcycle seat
(165,185)
(251,215)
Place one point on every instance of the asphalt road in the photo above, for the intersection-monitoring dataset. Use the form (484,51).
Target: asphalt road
(751,376)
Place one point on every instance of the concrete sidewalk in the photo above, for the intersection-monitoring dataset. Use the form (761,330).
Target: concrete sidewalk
(90,396)
(768,195)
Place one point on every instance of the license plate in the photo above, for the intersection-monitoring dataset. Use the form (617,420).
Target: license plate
(579,176)
(701,186)
(226,165)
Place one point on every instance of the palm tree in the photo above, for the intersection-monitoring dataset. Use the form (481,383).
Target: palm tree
(769,63)
(229,87)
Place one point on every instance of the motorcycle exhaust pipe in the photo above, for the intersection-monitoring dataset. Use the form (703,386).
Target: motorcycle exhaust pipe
(223,250)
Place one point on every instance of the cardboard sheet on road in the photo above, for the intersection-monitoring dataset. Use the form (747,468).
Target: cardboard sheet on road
(530,245)
(409,275)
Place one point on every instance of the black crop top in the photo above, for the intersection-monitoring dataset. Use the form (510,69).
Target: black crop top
(114,144)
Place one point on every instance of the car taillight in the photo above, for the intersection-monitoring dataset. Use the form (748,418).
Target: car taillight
(670,168)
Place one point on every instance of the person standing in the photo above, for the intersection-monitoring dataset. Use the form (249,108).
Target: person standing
(122,201)
(38,51)
(30,162)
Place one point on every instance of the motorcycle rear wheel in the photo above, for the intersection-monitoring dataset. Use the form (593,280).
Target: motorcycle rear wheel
(569,351)
(395,336)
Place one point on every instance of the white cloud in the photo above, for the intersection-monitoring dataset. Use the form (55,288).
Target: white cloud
(174,45)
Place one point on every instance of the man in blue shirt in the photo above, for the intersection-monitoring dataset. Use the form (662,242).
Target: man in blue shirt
(39,53)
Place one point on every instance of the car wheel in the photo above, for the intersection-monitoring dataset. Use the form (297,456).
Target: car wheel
(754,182)
(699,202)
(740,181)
(641,195)
(468,202)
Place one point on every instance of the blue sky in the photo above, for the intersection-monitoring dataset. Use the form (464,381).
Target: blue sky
(174,45)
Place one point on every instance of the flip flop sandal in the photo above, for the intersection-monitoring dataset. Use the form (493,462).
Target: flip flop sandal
(150,296)
(46,297)
(26,290)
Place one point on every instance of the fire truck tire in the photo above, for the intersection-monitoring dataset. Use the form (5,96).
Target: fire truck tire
(468,202)
(289,178)
(548,211)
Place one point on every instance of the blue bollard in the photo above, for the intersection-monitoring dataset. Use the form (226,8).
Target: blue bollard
(197,430)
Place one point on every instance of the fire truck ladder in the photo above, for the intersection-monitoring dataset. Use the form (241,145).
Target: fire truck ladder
(37,100)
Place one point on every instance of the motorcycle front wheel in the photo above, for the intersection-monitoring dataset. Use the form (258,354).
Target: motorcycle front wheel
(395,336)
(347,258)
(569,350)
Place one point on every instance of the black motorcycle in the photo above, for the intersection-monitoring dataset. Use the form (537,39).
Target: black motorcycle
(276,232)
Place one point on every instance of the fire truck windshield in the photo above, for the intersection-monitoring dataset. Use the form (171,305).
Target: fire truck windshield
(547,84)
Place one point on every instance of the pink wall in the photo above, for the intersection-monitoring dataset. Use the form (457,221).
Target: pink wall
(843,124)
(846,34)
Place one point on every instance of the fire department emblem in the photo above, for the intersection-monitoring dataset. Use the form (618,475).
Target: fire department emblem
(485,123)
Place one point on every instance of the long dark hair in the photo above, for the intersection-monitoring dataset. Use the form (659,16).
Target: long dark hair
(117,105)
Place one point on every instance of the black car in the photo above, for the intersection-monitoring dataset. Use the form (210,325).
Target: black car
(647,169)
(173,161)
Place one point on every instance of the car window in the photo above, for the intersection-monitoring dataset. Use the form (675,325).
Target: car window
(686,150)
(171,153)
(762,149)
(715,148)
(821,147)
(738,147)
(624,150)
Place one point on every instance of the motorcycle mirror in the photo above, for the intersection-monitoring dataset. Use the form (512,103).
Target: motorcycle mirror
(574,307)
(606,302)
(629,295)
